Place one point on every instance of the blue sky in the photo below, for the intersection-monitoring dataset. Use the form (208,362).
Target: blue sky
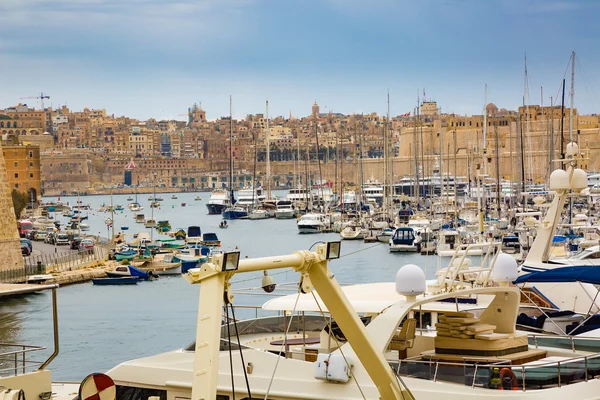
(154,58)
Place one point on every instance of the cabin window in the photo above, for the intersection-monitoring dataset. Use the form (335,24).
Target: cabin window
(122,269)
(222,397)
(134,393)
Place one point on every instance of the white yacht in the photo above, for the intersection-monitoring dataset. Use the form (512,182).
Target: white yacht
(219,200)
(285,210)
(354,231)
(250,197)
(313,223)
(299,195)
(373,191)
(135,207)
(452,349)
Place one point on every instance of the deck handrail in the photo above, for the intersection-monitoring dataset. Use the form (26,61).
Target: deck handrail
(18,358)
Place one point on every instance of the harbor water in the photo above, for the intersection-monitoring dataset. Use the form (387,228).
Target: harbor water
(103,326)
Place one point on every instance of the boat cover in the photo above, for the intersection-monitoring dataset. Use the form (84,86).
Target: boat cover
(584,274)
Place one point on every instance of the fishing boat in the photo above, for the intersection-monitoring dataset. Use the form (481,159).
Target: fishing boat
(163,226)
(403,240)
(124,228)
(125,253)
(210,239)
(154,204)
(139,218)
(162,264)
(171,243)
(119,208)
(190,258)
(125,280)
(180,234)
(150,223)
(128,270)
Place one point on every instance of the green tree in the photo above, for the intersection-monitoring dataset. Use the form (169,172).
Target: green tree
(19,202)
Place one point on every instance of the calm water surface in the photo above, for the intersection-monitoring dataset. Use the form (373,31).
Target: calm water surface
(103,326)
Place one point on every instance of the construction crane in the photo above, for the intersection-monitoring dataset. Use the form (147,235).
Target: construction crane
(41,97)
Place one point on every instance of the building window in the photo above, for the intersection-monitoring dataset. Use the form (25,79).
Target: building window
(31,154)
(16,164)
(16,185)
(31,163)
(31,174)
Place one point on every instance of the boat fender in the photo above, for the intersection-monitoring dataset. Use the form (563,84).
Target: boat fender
(507,376)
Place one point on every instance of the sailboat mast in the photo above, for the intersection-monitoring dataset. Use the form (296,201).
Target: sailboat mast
(231,149)
(572,96)
(322,199)
(562,124)
(497,170)
(268,138)
(416,157)
(484,144)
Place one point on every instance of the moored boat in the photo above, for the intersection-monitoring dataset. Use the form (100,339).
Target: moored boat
(125,280)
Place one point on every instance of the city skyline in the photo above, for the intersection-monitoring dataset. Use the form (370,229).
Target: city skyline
(155,58)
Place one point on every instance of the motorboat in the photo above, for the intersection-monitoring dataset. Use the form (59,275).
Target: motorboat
(128,270)
(154,204)
(139,218)
(449,241)
(83,226)
(313,223)
(197,198)
(285,210)
(224,224)
(125,253)
(235,212)
(190,259)
(412,342)
(385,235)
(150,223)
(258,213)
(183,204)
(210,239)
(404,239)
(217,203)
(129,198)
(174,197)
(194,234)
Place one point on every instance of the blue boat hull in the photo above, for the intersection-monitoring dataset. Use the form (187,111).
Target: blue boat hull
(187,265)
(128,280)
(234,214)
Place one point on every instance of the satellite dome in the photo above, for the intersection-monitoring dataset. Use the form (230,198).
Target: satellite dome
(410,280)
(579,180)
(505,268)
(559,180)
(572,149)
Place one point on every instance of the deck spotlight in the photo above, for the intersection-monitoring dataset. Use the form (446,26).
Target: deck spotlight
(333,250)
(268,283)
(231,261)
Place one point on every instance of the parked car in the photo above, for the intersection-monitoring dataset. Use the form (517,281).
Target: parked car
(86,244)
(28,243)
(61,239)
(40,235)
(75,243)
(25,250)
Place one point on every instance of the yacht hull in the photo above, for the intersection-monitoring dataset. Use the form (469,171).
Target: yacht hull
(215,209)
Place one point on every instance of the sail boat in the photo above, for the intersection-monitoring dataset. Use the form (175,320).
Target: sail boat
(233,211)
(135,206)
(259,212)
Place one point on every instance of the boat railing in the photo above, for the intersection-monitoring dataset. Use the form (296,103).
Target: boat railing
(455,271)
(471,372)
(14,359)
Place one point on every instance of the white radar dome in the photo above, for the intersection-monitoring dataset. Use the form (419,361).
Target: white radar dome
(572,149)
(505,269)
(579,180)
(410,280)
(559,180)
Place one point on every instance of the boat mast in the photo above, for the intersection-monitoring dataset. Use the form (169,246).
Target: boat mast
(497,170)
(416,152)
(562,125)
(386,186)
(551,155)
(268,137)
(572,96)
(254,172)
(231,151)
(322,199)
